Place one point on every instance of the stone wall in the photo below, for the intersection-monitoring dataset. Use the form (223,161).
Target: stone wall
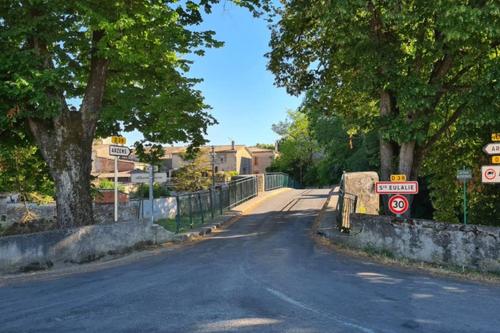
(103,213)
(43,249)
(468,246)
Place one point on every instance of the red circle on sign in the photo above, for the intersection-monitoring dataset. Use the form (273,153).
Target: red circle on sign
(398,204)
(490,174)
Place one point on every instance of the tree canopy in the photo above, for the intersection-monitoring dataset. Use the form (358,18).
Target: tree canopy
(424,64)
(124,60)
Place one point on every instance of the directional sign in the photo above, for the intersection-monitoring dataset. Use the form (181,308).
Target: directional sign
(495,159)
(495,136)
(410,187)
(143,177)
(118,140)
(464,174)
(398,204)
(490,173)
(398,178)
(119,151)
(492,148)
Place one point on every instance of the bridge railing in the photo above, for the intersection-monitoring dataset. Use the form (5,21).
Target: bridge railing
(197,208)
(275,180)
(346,205)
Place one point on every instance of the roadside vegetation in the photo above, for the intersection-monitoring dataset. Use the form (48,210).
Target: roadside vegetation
(410,89)
(126,64)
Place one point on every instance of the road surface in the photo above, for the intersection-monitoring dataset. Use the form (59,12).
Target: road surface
(263,274)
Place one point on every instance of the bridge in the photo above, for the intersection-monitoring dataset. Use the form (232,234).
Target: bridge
(263,273)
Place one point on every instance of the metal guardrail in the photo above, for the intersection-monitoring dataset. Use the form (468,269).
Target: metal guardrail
(197,208)
(275,180)
(345,206)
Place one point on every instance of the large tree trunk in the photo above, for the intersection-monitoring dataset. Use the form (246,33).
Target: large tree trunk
(406,162)
(65,140)
(386,147)
(66,145)
(406,156)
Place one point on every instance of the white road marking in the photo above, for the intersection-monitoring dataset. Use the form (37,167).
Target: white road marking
(341,321)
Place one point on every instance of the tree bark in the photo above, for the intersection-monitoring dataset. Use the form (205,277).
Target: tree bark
(406,156)
(386,147)
(67,149)
(65,140)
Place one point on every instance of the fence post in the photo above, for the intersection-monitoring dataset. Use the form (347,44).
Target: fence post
(201,208)
(190,197)
(220,200)
(178,215)
(210,190)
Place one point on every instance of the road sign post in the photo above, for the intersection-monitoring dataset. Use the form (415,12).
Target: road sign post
(117,151)
(151,180)
(116,189)
(464,176)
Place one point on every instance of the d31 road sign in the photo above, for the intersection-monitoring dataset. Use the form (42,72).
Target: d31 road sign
(143,177)
(118,140)
(490,173)
(398,204)
(492,148)
(119,151)
(398,178)
(410,187)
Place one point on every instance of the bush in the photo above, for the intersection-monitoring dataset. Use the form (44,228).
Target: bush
(142,191)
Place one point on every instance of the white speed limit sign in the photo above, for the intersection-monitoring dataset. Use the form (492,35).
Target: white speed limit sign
(398,204)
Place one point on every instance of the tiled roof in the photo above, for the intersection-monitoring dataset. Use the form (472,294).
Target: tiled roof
(218,149)
(259,150)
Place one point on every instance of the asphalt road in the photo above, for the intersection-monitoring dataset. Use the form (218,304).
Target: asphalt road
(262,274)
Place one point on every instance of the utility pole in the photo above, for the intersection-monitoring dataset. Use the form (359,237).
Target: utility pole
(213,166)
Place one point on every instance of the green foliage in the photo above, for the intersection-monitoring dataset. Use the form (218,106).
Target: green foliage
(265,146)
(106,184)
(193,176)
(461,147)
(297,148)
(23,170)
(158,191)
(125,60)
(422,76)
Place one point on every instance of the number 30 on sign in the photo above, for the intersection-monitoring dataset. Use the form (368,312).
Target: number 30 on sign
(398,204)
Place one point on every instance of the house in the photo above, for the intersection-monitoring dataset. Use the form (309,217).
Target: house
(261,158)
(232,157)
(228,158)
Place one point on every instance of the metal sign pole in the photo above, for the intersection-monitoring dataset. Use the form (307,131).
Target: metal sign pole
(151,179)
(465,201)
(116,188)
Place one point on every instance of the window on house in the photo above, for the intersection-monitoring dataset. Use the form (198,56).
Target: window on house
(216,169)
(255,161)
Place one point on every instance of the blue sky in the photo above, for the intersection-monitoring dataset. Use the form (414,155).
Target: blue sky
(236,83)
